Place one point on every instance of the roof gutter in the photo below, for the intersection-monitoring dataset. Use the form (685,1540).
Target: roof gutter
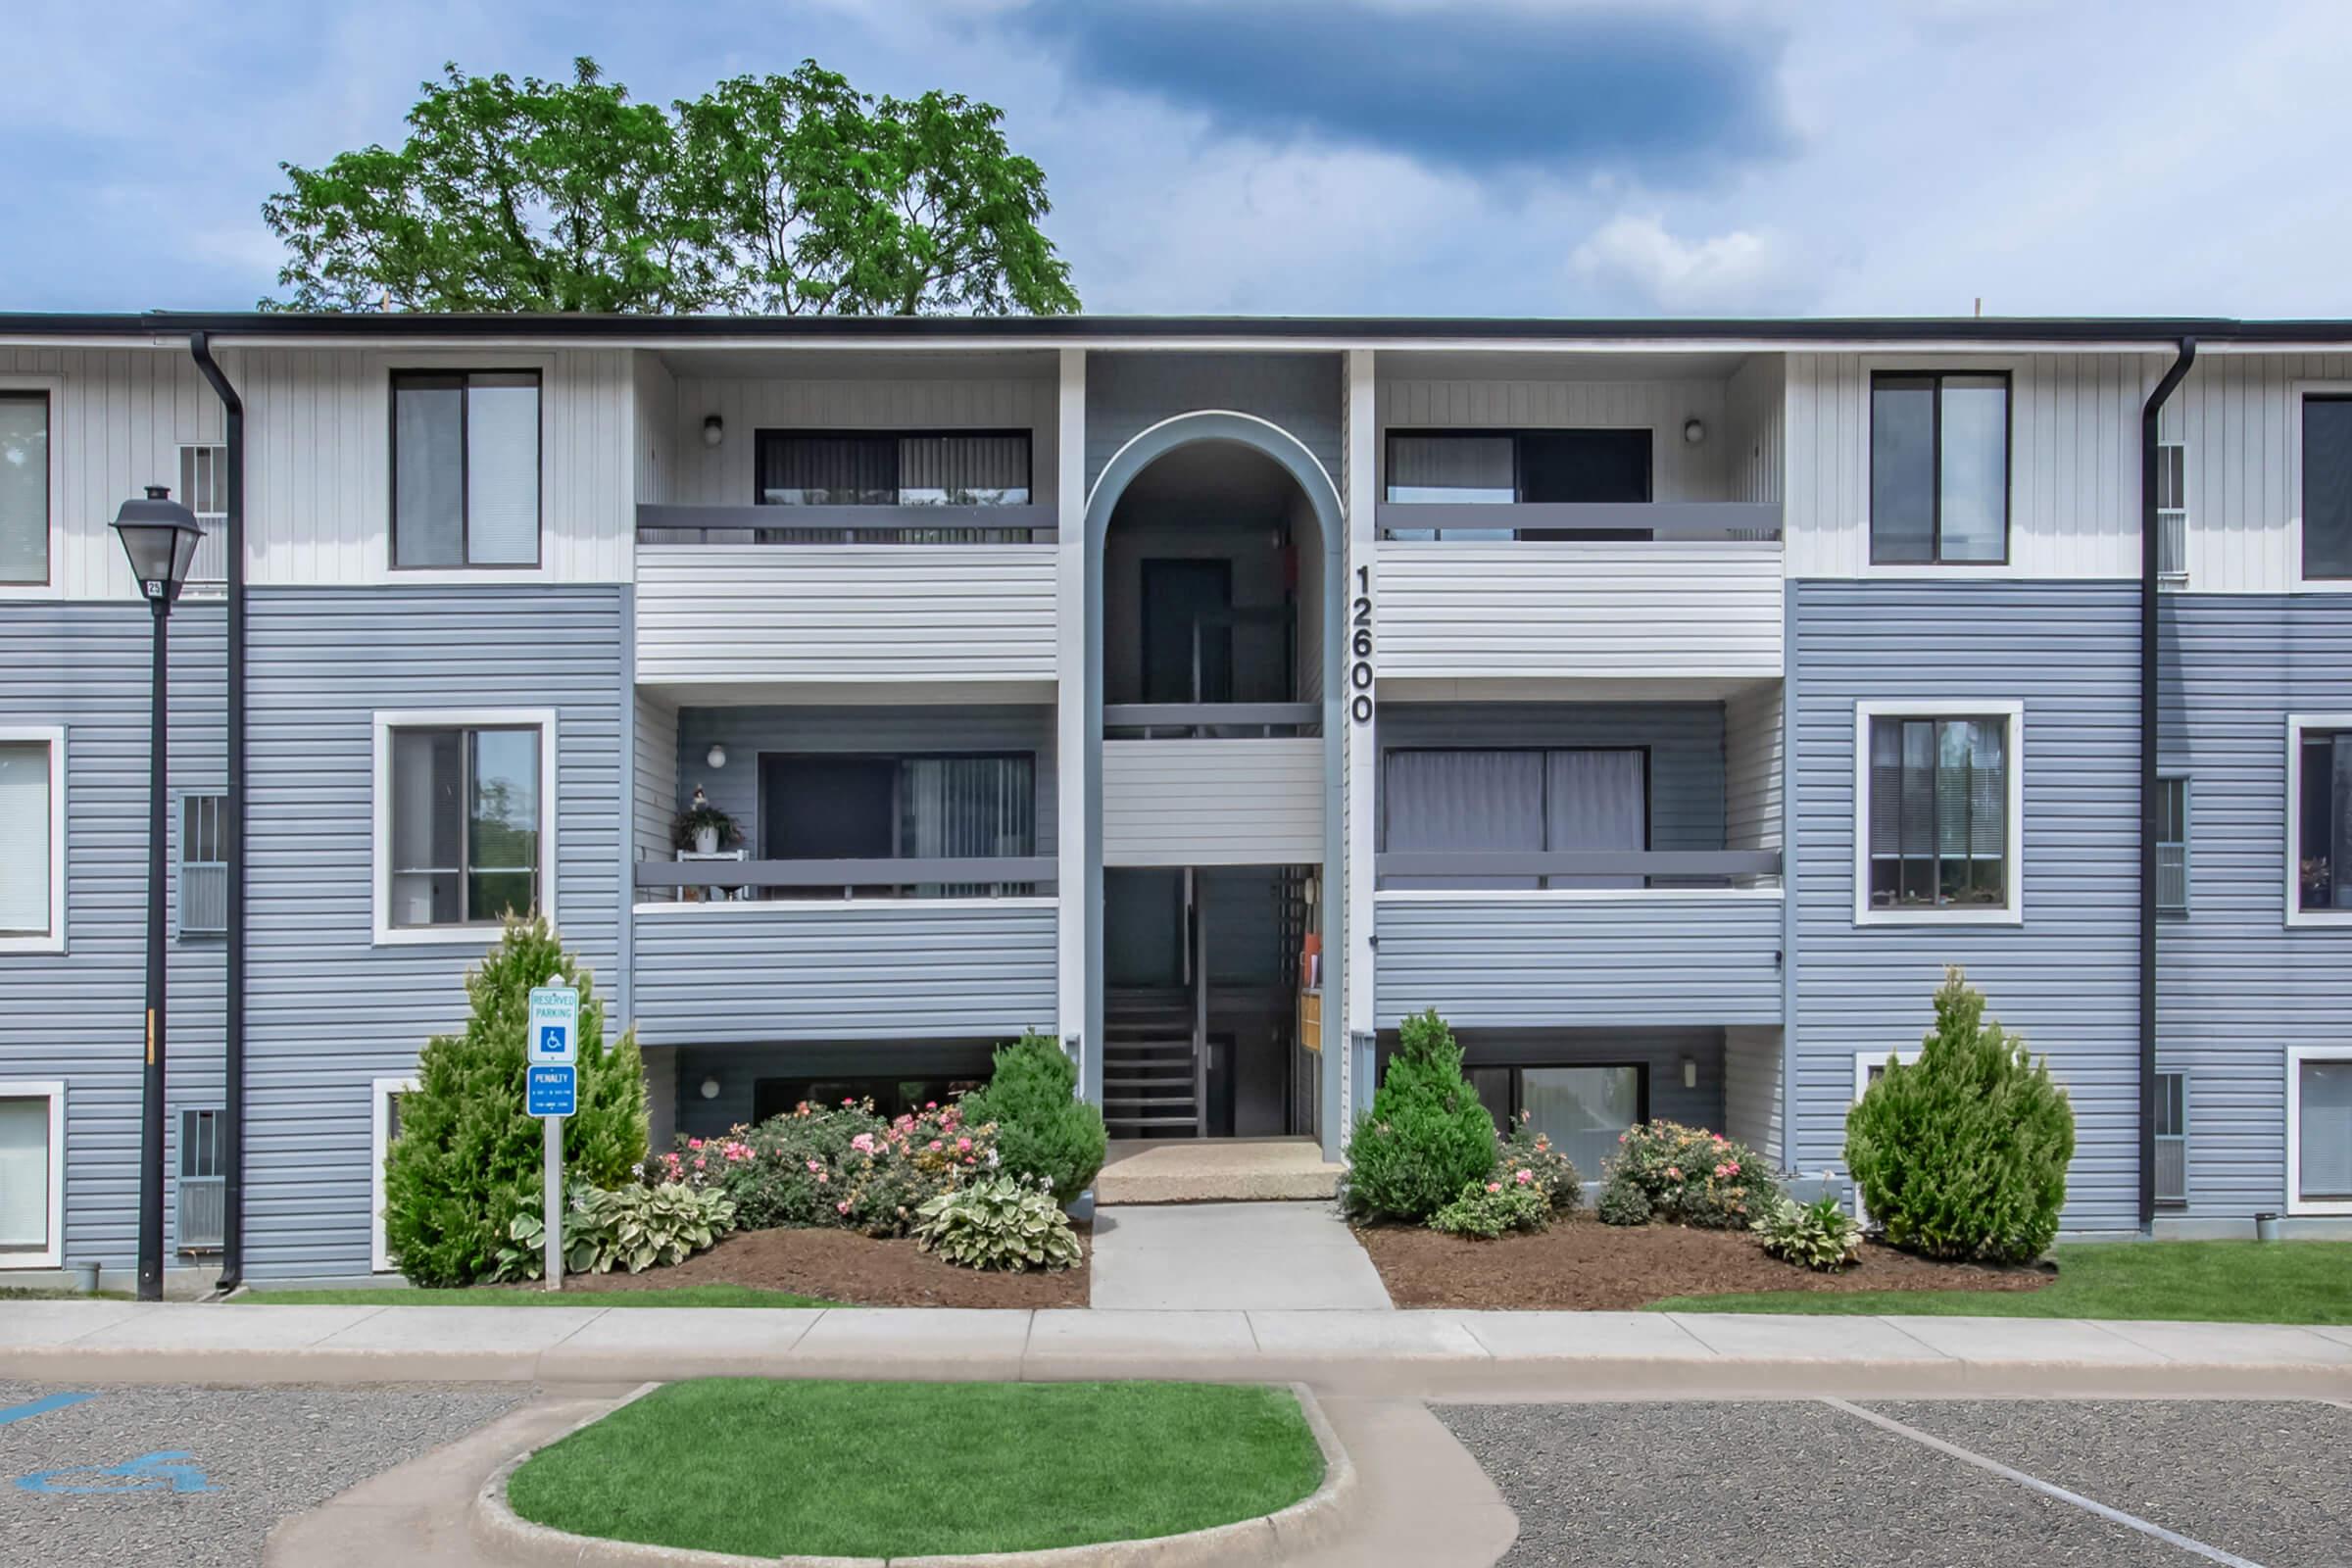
(232,826)
(2150,559)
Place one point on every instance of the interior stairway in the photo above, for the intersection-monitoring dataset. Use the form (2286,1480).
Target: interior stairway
(1151,1085)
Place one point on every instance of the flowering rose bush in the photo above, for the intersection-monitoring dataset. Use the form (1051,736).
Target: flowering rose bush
(835,1165)
(889,1174)
(1694,1177)
(1488,1209)
(1528,1157)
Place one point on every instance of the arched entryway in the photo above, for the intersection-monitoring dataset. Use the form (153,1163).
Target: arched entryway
(1191,653)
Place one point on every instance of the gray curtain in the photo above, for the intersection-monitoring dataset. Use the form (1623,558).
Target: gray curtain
(1440,800)
(1596,800)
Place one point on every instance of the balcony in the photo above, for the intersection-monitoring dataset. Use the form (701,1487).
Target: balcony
(1212,784)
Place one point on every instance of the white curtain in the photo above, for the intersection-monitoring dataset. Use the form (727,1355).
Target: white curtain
(24,1174)
(1479,801)
(429,451)
(1582,1109)
(1596,800)
(24,837)
(2324,1106)
(502,471)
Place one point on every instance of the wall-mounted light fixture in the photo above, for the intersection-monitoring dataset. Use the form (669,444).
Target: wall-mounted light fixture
(1690,1072)
(717,756)
(714,429)
(710,1089)
(1694,432)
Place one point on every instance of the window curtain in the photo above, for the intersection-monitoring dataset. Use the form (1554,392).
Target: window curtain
(1451,467)
(2324,1137)
(956,807)
(24,837)
(1484,800)
(1583,1111)
(24,488)
(24,1174)
(1596,800)
(2339,823)
(963,470)
(813,471)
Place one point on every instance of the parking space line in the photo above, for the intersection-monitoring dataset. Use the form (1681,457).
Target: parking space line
(2046,1488)
(41,1406)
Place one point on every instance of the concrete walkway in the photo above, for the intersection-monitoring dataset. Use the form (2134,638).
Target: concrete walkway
(1427,1355)
(1213,1170)
(1247,1258)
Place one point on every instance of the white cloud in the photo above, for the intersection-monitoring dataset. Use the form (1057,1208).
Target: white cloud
(1741,271)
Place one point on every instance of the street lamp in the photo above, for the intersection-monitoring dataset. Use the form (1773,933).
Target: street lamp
(160,536)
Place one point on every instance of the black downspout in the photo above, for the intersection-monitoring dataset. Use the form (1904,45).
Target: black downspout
(233,828)
(2150,559)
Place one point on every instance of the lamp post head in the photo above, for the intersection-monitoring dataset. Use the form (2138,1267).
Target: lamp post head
(160,536)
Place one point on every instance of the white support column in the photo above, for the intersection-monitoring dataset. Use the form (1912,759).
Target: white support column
(1360,475)
(1070,717)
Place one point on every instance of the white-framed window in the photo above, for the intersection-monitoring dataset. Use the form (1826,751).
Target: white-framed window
(32,1173)
(33,839)
(383,1126)
(465,820)
(203,864)
(204,491)
(28,483)
(2171,514)
(2319,819)
(1939,813)
(2172,1137)
(2172,844)
(2318,1130)
(465,461)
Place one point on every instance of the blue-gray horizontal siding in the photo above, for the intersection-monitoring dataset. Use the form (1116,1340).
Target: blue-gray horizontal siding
(901,969)
(1129,392)
(1514,961)
(2237,985)
(2067,978)
(328,1011)
(78,1017)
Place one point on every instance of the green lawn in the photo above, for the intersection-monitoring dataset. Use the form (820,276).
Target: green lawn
(2217,1281)
(887,1469)
(409,1295)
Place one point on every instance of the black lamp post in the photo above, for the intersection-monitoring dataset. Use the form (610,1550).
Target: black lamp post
(160,535)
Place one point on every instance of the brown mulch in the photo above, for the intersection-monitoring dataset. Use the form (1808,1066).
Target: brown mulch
(1583,1265)
(854,1270)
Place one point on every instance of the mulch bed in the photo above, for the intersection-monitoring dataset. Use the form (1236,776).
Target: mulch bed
(1583,1265)
(854,1270)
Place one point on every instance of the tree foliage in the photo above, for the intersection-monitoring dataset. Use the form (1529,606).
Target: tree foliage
(794,195)
(1426,1135)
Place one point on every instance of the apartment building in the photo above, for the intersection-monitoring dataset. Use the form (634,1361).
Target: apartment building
(1666,704)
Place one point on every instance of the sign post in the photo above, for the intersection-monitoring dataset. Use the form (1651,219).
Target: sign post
(551,1073)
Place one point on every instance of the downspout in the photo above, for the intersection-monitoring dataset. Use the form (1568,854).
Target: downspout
(232,827)
(2150,554)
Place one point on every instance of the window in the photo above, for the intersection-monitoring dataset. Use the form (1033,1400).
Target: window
(2172,1137)
(2328,486)
(383,1127)
(2171,514)
(24,487)
(1583,1109)
(1505,466)
(1940,791)
(1939,468)
(1571,799)
(466,469)
(203,866)
(972,805)
(2172,845)
(202,1187)
(884,469)
(2318,1130)
(32,1172)
(32,840)
(203,490)
(465,814)
(2319,812)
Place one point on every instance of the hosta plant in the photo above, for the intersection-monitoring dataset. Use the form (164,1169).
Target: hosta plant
(999,1222)
(631,1227)
(1818,1234)
(1487,1209)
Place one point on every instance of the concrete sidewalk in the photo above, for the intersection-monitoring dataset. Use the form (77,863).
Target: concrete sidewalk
(1427,1355)
(1246,1257)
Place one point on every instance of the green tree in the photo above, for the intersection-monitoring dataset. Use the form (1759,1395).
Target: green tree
(1043,1128)
(1963,1155)
(467,1155)
(768,194)
(1426,1134)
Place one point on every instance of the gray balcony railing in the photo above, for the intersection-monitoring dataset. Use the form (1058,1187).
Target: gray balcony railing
(963,876)
(1597,521)
(1638,869)
(1161,721)
(659,523)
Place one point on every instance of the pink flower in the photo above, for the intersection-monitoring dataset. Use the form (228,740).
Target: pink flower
(936,1144)
(1722,1171)
(841,1207)
(962,1144)
(697,1164)
(1674,1173)
(1718,1137)
(1493,1186)
(694,1143)
(813,1165)
(1731,1167)
(930,1105)
(863,1143)
(822,1178)
(1524,1176)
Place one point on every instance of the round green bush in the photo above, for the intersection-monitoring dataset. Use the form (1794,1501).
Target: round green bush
(1043,1128)
(468,1157)
(1426,1135)
(1963,1155)
(1622,1203)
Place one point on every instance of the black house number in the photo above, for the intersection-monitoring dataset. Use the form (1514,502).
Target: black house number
(1360,634)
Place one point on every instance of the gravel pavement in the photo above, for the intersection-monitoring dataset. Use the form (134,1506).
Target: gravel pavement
(252,1457)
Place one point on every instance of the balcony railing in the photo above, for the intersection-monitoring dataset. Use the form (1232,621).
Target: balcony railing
(1547,868)
(659,523)
(1599,521)
(902,877)
(1164,721)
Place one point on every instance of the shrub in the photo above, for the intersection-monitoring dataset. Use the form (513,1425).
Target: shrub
(1426,1135)
(1043,1128)
(1694,1177)
(468,1157)
(1550,1170)
(1486,1209)
(1818,1234)
(887,1176)
(1963,1155)
(780,1172)
(999,1222)
(636,1226)
(1622,1203)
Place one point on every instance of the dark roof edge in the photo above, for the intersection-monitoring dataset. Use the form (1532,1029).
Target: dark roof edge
(395,324)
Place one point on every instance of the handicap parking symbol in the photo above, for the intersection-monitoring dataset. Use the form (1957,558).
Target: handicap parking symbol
(551,1040)
(168,1471)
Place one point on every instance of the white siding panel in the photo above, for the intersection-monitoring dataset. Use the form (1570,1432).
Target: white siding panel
(712,615)
(653,409)
(1755,429)
(654,777)
(1752,1088)
(1212,803)
(1679,471)
(2241,416)
(1574,609)
(1751,766)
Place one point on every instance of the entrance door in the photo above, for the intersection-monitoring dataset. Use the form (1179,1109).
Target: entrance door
(1177,595)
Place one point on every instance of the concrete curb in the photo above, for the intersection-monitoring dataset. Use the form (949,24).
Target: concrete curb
(1315,1520)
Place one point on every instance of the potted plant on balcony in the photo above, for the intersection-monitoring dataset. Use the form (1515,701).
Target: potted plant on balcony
(703,827)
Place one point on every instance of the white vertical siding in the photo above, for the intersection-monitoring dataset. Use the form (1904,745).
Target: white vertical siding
(2074,461)
(1755,429)
(654,777)
(654,414)
(2240,414)
(1679,471)
(117,420)
(1751,767)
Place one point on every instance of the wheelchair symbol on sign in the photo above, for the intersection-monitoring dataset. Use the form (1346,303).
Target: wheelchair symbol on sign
(149,1472)
(551,1040)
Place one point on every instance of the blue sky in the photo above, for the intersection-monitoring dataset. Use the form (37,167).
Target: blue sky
(1439,156)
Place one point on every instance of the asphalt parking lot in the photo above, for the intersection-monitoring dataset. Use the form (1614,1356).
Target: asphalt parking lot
(1811,1482)
(171,1476)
